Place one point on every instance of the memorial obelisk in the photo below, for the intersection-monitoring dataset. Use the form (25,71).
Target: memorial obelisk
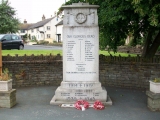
(80,56)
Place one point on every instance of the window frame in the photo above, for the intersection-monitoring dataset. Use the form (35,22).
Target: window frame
(48,35)
(48,28)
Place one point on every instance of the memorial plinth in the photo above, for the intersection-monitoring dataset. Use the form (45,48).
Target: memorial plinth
(80,57)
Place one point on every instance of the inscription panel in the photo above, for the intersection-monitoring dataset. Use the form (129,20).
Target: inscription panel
(91,96)
(81,85)
(80,54)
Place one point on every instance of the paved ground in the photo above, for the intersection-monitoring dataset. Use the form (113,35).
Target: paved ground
(33,104)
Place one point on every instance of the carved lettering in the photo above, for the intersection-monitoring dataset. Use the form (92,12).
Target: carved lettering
(81,98)
(81,85)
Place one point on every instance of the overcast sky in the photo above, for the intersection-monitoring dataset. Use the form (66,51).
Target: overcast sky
(32,10)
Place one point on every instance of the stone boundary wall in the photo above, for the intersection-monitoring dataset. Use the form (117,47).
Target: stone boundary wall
(126,72)
(34,70)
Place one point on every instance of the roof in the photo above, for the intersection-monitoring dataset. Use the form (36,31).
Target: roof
(60,23)
(25,26)
(40,23)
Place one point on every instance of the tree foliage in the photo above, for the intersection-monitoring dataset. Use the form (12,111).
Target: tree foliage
(8,23)
(120,18)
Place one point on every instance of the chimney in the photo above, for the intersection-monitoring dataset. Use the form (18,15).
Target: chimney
(43,17)
(25,21)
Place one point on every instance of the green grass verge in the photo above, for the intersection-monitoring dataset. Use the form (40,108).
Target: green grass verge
(53,52)
(106,53)
(30,52)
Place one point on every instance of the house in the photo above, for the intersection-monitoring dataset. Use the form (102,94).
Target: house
(59,27)
(44,29)
(23,28)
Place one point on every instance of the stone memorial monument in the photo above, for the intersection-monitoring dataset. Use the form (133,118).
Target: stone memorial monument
(80,57)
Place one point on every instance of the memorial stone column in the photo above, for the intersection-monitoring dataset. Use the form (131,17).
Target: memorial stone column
(80,56)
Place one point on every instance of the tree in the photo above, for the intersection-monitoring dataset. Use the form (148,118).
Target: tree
(25,36)
(8,23)
(119,18)
(29,36)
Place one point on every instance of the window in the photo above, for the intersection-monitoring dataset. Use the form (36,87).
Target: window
(7,37)
(59,37)
(32,30)
(48,36)
(22,31)
(32,37)
(14,37)
(37,29)
(48,28)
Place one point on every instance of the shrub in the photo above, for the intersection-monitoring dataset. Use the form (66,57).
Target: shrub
(43,42)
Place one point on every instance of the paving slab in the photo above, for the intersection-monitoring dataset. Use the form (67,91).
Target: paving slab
(33,103)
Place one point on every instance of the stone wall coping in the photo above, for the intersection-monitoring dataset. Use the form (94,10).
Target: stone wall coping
(34,61)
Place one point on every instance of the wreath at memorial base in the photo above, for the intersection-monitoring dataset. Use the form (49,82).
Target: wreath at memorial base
(98,105)
(81,105)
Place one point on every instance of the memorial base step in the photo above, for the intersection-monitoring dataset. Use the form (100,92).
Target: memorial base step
(70,96)
(59,102)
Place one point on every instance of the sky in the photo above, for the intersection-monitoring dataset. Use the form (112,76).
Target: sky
(33,10)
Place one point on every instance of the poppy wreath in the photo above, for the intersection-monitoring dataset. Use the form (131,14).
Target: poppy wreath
(81,105)
(98,105)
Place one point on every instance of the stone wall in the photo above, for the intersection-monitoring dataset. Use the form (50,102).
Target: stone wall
(34,70)
(126,72)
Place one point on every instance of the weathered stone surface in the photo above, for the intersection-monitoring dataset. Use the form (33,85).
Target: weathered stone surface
(153,95)
(80,56)
(153,104)
(8,98)
(153,101)
(80,94)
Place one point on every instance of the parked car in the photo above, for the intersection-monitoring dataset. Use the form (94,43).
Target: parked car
(11,41)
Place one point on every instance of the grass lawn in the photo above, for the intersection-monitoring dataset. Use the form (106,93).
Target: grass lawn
(30,52)
(116,54)
(53,52)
